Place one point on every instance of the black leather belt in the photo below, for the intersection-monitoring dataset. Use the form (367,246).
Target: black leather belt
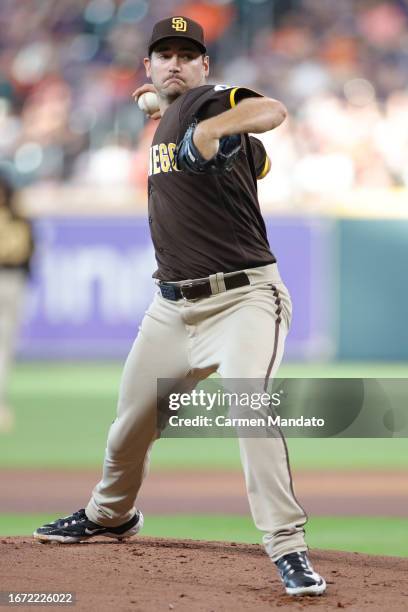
(200,289)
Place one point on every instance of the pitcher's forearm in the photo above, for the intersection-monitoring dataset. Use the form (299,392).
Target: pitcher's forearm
(255,115)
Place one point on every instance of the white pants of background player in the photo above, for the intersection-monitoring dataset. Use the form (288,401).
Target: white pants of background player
(241,334)
(12,284)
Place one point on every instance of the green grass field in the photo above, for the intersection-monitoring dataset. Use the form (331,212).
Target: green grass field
(371,535)
(60,404)
(63,413)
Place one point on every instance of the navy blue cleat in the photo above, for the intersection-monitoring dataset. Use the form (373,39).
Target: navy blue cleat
(78,527)
(298,575)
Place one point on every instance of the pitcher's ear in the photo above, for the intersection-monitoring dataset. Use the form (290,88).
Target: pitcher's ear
(146,62)
(206,63)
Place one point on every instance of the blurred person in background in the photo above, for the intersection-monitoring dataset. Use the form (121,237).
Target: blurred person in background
(16,248)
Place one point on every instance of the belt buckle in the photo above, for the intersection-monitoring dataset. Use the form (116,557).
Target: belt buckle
(185,286)
(190,286)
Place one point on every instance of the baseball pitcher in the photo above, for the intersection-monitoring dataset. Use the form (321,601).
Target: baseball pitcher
(220,305)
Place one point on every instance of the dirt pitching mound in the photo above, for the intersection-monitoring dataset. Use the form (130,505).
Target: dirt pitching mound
(145,574)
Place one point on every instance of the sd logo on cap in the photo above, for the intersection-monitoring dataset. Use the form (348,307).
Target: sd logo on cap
(178,27)
(179,24)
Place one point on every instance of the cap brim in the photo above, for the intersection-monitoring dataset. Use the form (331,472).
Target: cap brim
(175,35)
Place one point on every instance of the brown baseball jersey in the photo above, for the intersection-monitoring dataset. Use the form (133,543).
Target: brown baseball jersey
(203,224)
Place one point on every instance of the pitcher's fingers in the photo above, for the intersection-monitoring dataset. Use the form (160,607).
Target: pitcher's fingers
(143,89)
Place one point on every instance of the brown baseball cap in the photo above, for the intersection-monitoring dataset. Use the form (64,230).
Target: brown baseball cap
(178,27)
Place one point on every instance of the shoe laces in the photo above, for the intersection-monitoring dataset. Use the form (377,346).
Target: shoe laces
(74,518)
(294,562)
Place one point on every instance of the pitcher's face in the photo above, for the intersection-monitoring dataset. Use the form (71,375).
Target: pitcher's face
(175,66)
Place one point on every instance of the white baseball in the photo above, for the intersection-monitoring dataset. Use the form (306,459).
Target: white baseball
(148,103)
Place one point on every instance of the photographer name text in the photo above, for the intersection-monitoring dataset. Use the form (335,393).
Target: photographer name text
(223,421)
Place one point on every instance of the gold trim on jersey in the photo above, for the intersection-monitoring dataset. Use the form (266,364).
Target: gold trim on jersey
(265,169)
(232,97)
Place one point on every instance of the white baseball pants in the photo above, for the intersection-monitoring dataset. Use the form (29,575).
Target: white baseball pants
(239,333)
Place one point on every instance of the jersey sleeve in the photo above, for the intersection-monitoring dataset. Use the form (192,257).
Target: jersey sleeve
(261,160)
(222,98)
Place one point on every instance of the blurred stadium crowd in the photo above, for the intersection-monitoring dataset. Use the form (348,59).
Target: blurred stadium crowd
(67,70)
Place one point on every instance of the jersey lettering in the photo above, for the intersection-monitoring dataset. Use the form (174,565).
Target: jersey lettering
(172,152)
(155,159)
(162,158)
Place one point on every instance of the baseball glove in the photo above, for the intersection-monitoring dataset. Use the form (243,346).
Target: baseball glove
(189,159)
